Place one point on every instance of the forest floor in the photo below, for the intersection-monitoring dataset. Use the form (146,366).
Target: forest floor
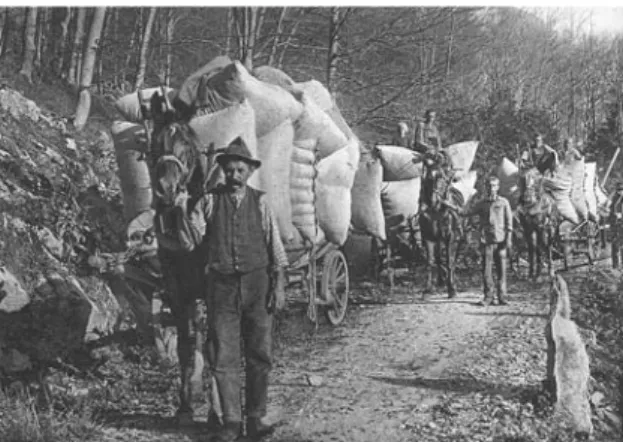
(403,369)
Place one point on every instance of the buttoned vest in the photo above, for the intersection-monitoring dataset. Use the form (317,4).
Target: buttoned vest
(236,240)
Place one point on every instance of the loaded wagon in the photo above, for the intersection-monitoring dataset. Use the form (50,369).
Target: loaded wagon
(309,159)
(580,202)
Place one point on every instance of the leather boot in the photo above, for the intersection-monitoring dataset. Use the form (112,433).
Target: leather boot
(229,432)
(256,429)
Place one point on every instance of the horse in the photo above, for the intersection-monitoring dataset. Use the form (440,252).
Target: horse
(440,226)
(539,219)
(182,166)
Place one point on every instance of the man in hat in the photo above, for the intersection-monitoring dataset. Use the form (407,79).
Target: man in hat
(496,231)
(245,272)
(426,137)
(616,224)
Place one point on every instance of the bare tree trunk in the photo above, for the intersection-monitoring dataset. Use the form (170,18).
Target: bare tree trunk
(142,64)
(278,32)
(246,26)
(29,45)
(41,37)
(287,43)
(60,50)
(128,59)
(334,49)
(170,29)
(4,33)
(450,42)
(115,27)
(84,100)
(100,54)
(230,30)
(73,76)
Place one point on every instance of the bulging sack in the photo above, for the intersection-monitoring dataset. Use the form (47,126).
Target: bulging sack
(133,171)
(366,207)
(334,181)
(575,169)
(221,128)
(274,150)
(462,154)
(130,108)
(590,185)
(399,163)
(314,123)
(269,74)
(559,187)
(316,91)
(466,185)
(401,198)
(272,104)
(508,173)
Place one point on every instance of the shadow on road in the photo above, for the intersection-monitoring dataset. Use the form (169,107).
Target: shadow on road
(459,385)
(503,313)
(197,432)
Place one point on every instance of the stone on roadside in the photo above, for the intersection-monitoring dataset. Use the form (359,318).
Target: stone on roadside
(12,296)
(52,244)
(314,380)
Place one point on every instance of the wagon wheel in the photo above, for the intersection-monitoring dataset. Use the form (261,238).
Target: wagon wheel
(335,285)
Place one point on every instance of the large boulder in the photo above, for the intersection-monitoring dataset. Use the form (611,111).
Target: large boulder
(13,297)
(59,319)
(568,372)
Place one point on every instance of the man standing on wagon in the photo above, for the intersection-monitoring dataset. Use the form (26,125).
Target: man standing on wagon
(245,268)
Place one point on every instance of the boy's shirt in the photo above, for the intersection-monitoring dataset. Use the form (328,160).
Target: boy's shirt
(496,219)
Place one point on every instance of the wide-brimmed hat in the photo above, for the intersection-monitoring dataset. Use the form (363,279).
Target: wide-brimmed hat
(237,150)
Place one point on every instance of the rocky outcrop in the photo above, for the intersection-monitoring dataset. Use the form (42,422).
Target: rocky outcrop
(55,320)
(568,373)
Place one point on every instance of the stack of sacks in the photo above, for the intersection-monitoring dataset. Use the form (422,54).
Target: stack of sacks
(129,105)
(559,187)
(366,207)
(216,130)
(133,171)
(336,174)
(508,173)
(302,176)
(590,190)
(274,150)
(399,163)
(462,155)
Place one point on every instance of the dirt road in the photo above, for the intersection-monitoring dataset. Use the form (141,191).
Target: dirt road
(407,370)
(389,371)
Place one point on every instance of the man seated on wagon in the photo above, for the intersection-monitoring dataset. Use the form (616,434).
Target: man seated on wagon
(541,156)
(571,150)
(426,137)
(245,276)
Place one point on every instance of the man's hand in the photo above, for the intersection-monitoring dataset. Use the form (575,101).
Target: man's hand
(277,295)
(181,200)
(509,240)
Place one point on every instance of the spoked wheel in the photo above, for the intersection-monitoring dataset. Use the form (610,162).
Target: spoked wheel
(335,285)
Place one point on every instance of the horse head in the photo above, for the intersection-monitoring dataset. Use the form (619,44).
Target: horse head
(530,186)
(183,163)
(436,179)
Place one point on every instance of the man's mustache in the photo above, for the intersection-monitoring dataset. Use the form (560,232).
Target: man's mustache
(234,181)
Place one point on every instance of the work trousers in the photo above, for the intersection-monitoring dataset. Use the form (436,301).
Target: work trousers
(237,305)
(494,253)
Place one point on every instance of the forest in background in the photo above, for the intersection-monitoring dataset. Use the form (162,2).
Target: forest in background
(493,74)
